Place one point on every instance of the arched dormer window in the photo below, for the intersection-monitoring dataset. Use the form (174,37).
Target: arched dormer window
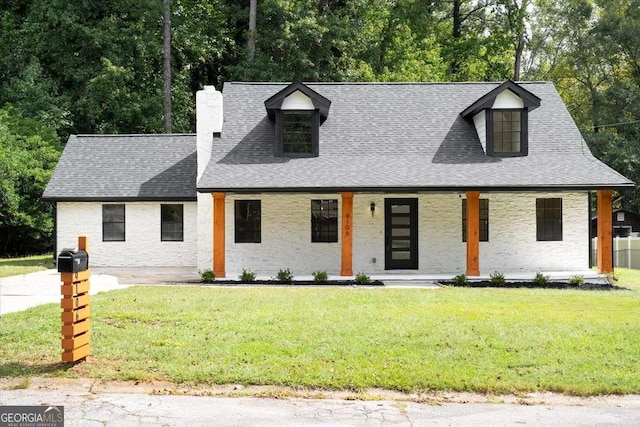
(501,118)
(298,112)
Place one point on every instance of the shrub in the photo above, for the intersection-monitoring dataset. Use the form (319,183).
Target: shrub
(207,276)
(285,276)
(460,279)
(540,279)
(576,280)
(247,276)
(497,278)
(320,276)
(362,279)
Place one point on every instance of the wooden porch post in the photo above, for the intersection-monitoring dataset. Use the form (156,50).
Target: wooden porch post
(347,235)
(218,234)
(605,228)
(473,233)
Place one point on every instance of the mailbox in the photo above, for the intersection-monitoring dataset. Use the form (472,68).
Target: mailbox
(73,261)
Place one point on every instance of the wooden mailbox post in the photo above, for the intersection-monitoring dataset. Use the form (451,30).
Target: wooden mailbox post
(76,311)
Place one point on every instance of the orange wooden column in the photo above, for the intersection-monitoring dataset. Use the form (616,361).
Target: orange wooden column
(605,228)
(347,235)
(473,233)
(218,234)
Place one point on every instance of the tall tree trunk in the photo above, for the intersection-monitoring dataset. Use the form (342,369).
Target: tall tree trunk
(454,65)
(166,39)
(517,17)
(518,58)
(253,12)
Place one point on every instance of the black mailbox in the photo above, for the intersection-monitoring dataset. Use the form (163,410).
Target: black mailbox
(73,261)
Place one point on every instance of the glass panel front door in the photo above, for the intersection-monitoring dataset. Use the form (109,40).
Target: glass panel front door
(401,234)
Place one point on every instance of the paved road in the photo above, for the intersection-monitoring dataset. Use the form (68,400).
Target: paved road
(84,408)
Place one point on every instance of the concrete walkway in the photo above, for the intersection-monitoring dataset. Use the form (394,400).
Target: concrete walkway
(19,293)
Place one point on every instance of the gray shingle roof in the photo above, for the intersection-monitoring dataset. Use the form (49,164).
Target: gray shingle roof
(121,167)
(381,136)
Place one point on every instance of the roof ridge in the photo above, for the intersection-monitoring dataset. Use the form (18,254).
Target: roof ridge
(390,83)
(132,135)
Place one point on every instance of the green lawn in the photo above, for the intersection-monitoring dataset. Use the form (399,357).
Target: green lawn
(17,266)
(485,340)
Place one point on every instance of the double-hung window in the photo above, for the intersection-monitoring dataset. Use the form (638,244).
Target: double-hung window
(549,219)
(113,223)
(484,220)
(172,223)
(247,221)
(507,132)
(297,132)
(324,220)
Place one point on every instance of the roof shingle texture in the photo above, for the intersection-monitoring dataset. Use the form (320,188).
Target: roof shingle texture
(120,167)
(396,136)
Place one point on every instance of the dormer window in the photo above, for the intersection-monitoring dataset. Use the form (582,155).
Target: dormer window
(297,132)
(506,132)
(298,113)
(501,119)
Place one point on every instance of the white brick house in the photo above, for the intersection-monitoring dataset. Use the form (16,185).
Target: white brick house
(347,178)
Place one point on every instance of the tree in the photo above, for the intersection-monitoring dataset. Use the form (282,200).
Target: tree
(29,151)
(166,68)
(253,11)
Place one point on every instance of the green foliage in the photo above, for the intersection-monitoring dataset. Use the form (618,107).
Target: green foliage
(497,278)
(576,280)
(320,276)
(247,276)
(540,279)
(362,279)
(19,266)
(460,279)
(29,151)
(284,276)
(96,67)
(207,276)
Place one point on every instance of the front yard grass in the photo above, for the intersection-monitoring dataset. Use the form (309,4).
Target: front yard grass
(483,340)
(17,266)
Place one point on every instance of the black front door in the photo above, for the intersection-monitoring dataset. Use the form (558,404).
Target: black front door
(401,234)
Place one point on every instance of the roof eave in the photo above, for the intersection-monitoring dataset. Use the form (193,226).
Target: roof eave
(422,189)
(119,199)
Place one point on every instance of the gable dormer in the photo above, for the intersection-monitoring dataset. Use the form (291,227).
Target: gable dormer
(501,118)
(298,112)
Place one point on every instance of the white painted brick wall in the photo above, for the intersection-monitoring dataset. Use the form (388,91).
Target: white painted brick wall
(512,246)
(439,234)
(286,238)
(512,242)
(142,248)
(205,231)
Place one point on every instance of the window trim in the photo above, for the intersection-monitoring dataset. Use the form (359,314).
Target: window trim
(464,220)
(238,238)
(162,222)
(554,238)
(524,133)
(325,221)
(315,133)
(124,221)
